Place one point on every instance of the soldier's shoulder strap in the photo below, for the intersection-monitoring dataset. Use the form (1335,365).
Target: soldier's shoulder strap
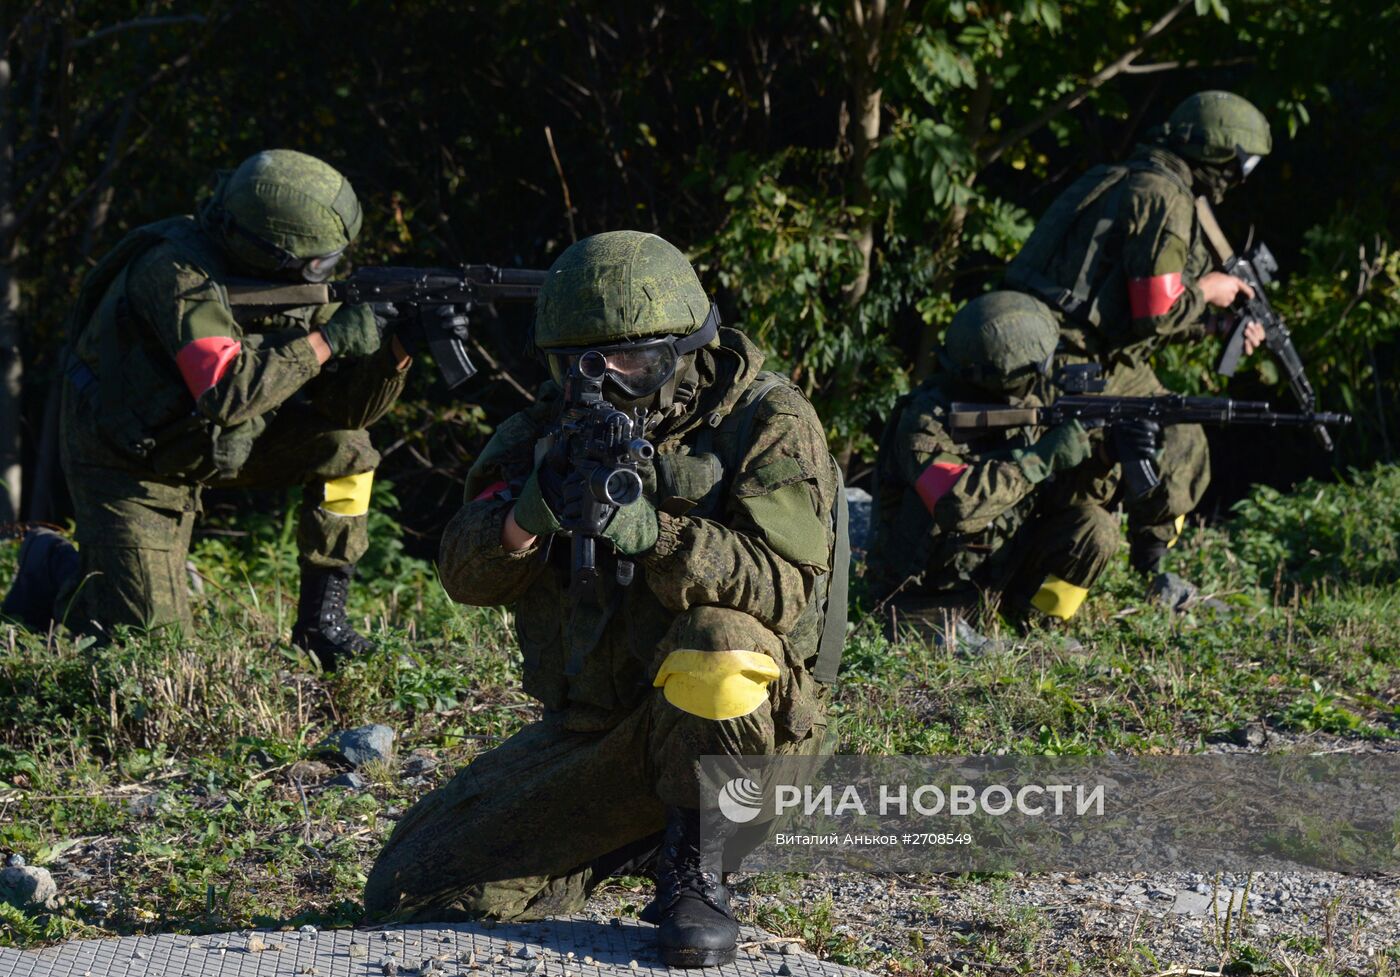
(836,582)
(100,278)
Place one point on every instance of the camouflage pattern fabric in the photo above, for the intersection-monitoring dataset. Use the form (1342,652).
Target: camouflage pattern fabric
(283,198)
(992,530)
(269,417)
(617,286)
(524,831)
(1153,234)
(734,566)
(1155,243)
(134,533)
(1214,126)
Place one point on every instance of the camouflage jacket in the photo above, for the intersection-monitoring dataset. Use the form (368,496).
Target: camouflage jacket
(742,526)
(174,388)
(1119,253)
(944,509)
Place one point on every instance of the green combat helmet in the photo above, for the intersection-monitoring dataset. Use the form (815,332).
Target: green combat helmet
(1002,342)
(1220,128)
(633,297)
(283,211)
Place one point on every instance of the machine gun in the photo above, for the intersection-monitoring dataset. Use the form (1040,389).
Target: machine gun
(466,289)
(604,447)
(1257,267)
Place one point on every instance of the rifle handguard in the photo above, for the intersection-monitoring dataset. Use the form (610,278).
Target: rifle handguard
(965,419)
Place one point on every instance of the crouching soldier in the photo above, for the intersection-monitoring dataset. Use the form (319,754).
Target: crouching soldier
(166,393)
(1011,515)
(714,648)
(1122,258)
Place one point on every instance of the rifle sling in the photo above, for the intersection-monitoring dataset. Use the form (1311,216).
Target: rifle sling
(1210,227)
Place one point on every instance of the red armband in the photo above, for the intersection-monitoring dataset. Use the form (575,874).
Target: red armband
(490,490)
(203,361)
(937,481)
(1154,296)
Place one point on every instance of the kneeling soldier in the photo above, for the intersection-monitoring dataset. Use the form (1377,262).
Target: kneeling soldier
(1004,513)
(715,647)
(166,394)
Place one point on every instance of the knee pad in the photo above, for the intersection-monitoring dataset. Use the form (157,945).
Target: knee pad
(716,684)
(719,663)
(349,495)
(1058,598)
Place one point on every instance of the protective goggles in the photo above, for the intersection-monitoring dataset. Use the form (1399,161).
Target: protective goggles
(315,269)
(1246,162)
(641,368)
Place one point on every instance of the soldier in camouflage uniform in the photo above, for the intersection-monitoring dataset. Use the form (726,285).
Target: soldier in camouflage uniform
(714,648)
(1121,257)
(1013,513)
(166,393)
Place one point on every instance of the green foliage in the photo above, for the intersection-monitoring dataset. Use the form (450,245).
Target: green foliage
(843,239)
(1323,532)
(220,731)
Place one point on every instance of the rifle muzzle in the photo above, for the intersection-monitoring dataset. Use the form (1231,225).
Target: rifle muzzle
(615,486)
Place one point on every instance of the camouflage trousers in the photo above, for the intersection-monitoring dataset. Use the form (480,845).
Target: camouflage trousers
(133,549)
(1184,464)
(1058,548)
(529,828)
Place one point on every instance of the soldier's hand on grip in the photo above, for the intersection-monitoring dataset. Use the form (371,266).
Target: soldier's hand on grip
(1062,447)
(352,331)
(545,499)
(1136,444)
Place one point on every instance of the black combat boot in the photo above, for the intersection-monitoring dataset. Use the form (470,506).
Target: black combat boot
(695,926)
(46,561)
(1145,554)
(322,627)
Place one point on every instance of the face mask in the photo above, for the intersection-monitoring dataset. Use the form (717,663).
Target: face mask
(1214,180)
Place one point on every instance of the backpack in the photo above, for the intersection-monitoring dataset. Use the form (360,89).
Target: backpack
(1029,270)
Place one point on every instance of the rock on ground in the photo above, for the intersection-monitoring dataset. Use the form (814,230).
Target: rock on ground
(28,887)
(364,744)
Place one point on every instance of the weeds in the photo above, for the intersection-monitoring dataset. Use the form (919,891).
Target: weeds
(174,784)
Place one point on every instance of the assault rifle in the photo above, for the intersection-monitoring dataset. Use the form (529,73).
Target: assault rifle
(966,421)
(604,447)
(1257,268)
(467,289)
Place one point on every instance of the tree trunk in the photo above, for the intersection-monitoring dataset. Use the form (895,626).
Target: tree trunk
(866,133)
(11,366)
(867,28)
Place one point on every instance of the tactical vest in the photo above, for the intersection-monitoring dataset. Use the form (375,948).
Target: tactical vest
(1097,297)
(127,382)
(699,477)
(124,378)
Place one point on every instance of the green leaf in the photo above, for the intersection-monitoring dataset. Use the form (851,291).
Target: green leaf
(50,853)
